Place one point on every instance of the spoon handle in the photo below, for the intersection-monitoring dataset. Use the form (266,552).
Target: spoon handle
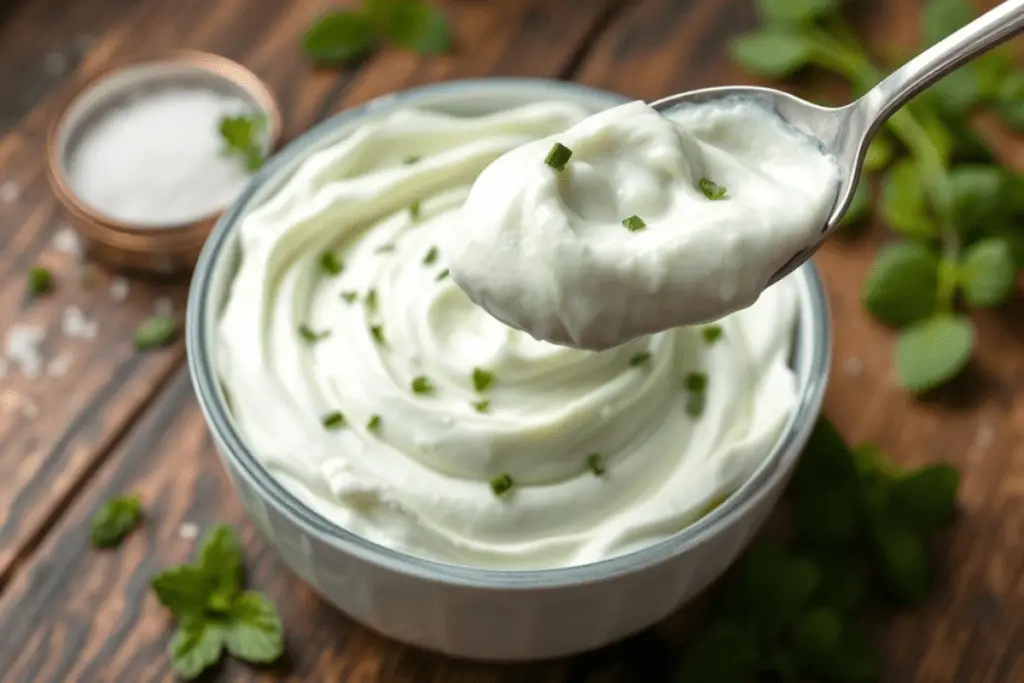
(981,35)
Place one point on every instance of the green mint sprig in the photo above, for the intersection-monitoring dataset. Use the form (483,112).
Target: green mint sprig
(345,37)
(242,138)
(214,613)
(115,519)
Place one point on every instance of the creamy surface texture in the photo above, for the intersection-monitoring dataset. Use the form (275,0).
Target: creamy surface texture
(725,193)
(604,452)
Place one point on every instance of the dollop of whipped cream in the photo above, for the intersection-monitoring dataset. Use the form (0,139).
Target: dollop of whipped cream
(383,398)
(655,221)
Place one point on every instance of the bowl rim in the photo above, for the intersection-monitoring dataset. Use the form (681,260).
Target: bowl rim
(813,329)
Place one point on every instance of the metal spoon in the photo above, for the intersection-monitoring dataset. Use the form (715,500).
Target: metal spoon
(846,131)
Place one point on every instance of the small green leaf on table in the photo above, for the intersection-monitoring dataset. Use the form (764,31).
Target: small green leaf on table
(933,352)
(987,273)
(926,497)
(419,26)
(339,38)
(114,520)
(254,632)
(773,51)
(902,286)
(196,645)
(904,201)
(940,18)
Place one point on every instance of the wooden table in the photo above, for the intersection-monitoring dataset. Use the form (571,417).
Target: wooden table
(120,421)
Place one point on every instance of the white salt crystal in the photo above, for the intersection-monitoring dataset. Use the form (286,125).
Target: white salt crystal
(119,287)
(158,159)
(22,348)
(163,306)
(75,325)
(60,365)
(188,531)
(852,367)
(67,241)
(10,192)
(984,437)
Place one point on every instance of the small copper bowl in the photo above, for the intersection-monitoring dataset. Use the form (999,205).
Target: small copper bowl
(163,249)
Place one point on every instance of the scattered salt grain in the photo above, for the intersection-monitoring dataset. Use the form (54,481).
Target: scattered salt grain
(67,241)
(55,64)
(22,348)
(157,160)
(163,306)
(853,367)
(188,531)
(119,288)
(984,437)
(10,192)
(75,325)
(59,365)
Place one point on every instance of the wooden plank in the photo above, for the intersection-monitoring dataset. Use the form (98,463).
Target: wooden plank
(970,628)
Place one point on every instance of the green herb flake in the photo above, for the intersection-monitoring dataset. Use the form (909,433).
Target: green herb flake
(711,190)
(501,484)
(40,282)
(634,223)
(640,359)
(373,426)
(155,332)
(422,385)
(115,519)
(430,256)
(443,275)
(330,263)
(558,157)
(384,249)
(371,300)
(241,138)
(341,37)
(482,406)
(410,160)
(595,464)
(414,210)
(349,297)
(695,402)
(482,379)
(378,334)
(333,420)
(418,26)
(711,333)
(310,336)
(696,381)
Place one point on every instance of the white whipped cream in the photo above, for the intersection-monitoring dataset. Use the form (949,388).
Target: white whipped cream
(420,481)
(546,251)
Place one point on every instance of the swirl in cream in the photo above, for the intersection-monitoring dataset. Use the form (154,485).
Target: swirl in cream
(604,452)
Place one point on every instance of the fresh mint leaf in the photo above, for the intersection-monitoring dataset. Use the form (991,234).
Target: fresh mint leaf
(932,352)
(980,194)
(959,92)
(816,634)
(842,585)
(723,653)
(40,281)
(826,462)
(904,203)
(221,560)
(926,497)
(987,273)
(254,632)
(902,286)
(155,332)
(341,37)
(419,26)
(853,660)
(860,204)
(775,585)
(902,560)
(880,153)
(775,51)
(196,645)
(114,520)
(832,518)
(940,18)
(184,590)
(1008,99)
(790,11)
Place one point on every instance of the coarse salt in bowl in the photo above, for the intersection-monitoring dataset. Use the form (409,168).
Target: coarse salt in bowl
(465,611)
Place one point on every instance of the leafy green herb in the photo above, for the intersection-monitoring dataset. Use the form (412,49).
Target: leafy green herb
(330,263)
(422,385)
(501,484)
(595,464)
(904,203)
(377,332)
(903,284)
(430,257)
(349,297)
(634,223)
(482,379)
(442,275)
(640,359)
(711,333)
(371,300)
(558,157)
(242,138)
(115,519)
(373,425)
(40,282)
(338,38)
(695,402)
(310,336)
(482,406)
(790,11)
(154,332)
(880,154)
(696,381)
(414,210)
(775,51)
(934,351)
(333,420)
(987,273)
(214,612)
(384,249)
(711,190)
(410,160)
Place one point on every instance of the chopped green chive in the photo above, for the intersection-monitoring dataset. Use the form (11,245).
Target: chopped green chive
(558,157)
(155,332)
(330,263)
(411,160)
(634,223)
(696,381)
(349,297)
(711,190)
(40,281)
(414,210)
(482,406)
(695,403)
(595,465)
(422,385)
(334,420)
(712,333)
(374,424)
(371,300)
(378,334)
(442,275)
(430,257)
(384,249)
(311,336)
(482,379)
(501,484)
(640,358)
